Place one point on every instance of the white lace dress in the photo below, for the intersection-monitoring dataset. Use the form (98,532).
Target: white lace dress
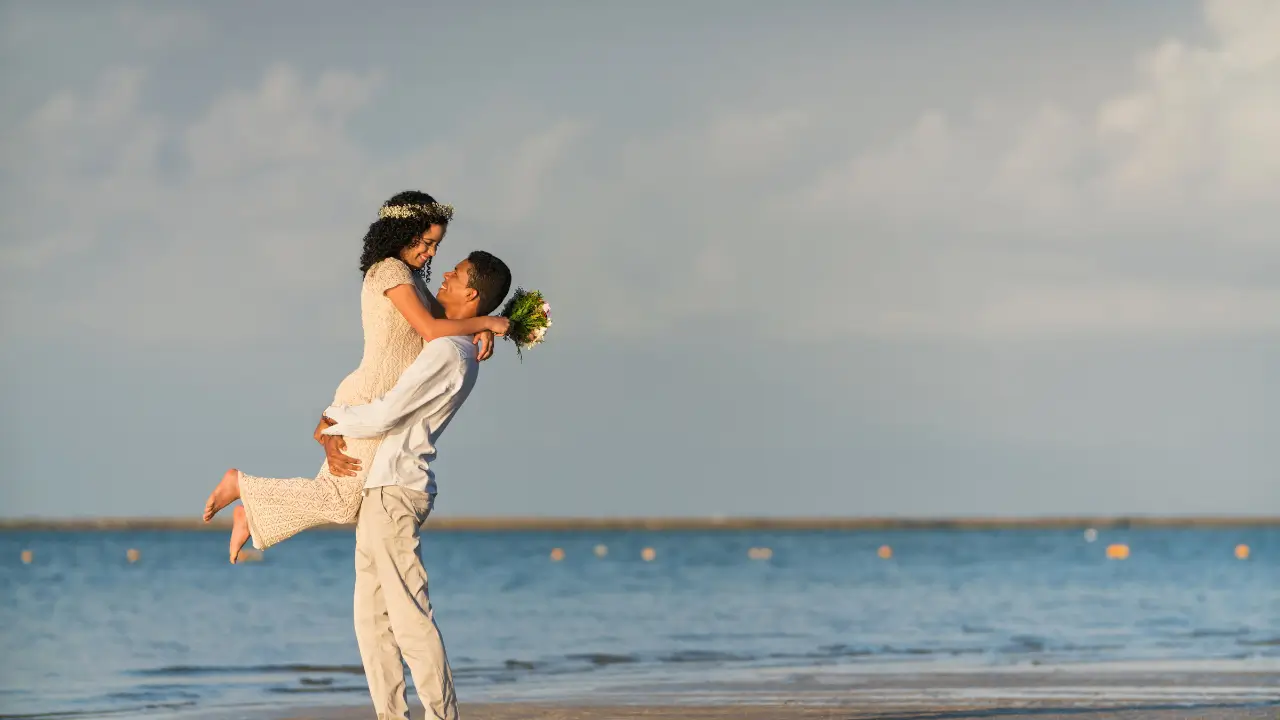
(278,508)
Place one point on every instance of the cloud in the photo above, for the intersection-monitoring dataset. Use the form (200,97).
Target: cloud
(532,161)
(1141,211)
(284,122)
(227,227)
(754,141)
(1147,211)
(1201,122)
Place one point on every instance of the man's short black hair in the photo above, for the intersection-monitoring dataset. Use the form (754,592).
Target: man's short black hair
(491,278)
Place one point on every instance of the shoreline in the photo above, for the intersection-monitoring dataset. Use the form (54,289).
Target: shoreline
(575,524)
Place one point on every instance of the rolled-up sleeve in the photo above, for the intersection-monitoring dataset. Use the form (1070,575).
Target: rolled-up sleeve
(429,376)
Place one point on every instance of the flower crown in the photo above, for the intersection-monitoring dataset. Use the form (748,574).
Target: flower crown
(437,212)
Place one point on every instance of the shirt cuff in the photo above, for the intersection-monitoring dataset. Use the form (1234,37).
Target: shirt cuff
(337,413)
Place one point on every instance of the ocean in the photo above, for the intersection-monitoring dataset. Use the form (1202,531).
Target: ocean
(87,632)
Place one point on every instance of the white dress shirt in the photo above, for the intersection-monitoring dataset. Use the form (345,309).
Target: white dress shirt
(412,414)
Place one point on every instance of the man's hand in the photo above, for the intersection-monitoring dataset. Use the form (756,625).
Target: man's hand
(324,424)
(340,464)
(484,339)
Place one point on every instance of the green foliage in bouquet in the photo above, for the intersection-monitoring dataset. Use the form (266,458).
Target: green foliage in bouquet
(530,316)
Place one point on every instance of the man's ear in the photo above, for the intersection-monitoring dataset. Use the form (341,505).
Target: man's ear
(473,294)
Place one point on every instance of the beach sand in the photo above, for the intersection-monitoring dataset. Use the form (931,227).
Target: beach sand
(528,711)
(1161,692)
(538,711)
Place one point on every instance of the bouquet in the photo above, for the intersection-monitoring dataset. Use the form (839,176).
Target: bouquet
(530,316)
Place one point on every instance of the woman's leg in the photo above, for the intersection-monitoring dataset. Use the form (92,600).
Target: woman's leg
(279,508)
(239,533)
(226,492)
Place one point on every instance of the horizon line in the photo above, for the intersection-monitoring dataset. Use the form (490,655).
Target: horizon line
(695,522)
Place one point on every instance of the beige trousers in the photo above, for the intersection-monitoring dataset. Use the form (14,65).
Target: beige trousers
(392,609)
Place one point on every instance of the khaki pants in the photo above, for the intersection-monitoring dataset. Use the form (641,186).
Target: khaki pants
(392,610)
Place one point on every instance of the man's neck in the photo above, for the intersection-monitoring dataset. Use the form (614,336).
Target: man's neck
(456,312)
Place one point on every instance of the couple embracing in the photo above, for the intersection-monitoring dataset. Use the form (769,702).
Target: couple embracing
(421,358)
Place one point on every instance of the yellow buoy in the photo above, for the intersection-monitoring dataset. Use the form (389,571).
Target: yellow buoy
(760,553)
(648,554)
(1118,551)
(601,551)
(1242,551)
(27,557)
(885,552)
(249,556)
(132,555)
(557,554)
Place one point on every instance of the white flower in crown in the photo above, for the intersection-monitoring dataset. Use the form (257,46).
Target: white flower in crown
(435,211)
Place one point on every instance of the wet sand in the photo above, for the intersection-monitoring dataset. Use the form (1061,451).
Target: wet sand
(532,711)
(1160,692)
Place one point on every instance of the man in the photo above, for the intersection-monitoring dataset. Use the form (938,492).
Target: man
(393,616)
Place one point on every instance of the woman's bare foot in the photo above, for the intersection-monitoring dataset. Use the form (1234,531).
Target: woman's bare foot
(239,532)
(227,492)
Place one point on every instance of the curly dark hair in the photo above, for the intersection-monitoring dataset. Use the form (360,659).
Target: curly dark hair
(491,278)
(387,237)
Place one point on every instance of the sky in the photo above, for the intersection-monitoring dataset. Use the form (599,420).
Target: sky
(827,258)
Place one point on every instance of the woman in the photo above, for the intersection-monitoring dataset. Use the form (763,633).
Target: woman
(396,321)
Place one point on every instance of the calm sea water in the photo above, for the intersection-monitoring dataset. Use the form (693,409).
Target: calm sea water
(85,632)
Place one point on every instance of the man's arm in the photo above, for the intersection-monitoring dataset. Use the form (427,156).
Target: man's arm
(432,374)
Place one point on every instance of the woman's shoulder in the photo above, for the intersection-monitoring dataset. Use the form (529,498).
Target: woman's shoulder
(389,264)
(388,273)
